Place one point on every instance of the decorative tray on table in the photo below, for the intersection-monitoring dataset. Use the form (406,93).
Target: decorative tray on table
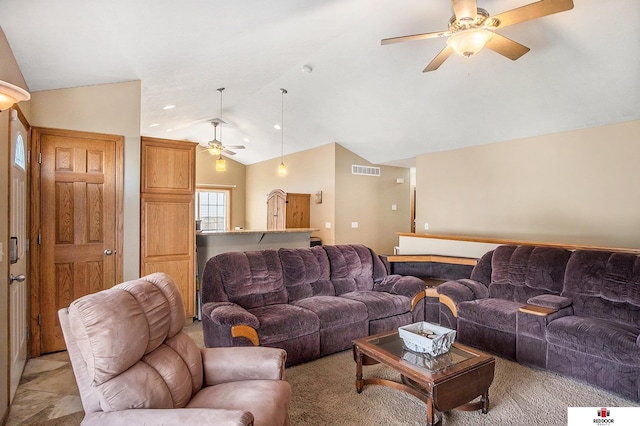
(428,338)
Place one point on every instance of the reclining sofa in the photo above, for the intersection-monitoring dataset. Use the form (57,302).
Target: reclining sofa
(573,312)
(309,301)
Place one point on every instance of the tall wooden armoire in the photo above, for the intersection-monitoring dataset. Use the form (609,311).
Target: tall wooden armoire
(167,220)
(287,210)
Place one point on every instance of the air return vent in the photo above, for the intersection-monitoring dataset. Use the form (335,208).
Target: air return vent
(365,170)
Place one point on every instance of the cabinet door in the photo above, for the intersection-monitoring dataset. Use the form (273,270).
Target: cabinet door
(276,210)
(167,234)
(168,167)
(168,242)
(298,210)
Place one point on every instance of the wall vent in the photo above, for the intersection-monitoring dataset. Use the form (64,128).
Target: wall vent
(365,170)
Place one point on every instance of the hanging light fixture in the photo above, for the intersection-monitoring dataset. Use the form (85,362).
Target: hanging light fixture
(282,169)
(10,94)
(221,164)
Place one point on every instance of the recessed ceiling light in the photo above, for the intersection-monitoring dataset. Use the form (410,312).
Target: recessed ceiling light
(246,139)
(169,107)
(155,125)
(276,126)
(169,130)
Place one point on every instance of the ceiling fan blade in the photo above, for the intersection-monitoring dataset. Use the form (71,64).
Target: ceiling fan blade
(506,47)
(532,11)
(415,37)
(465,9)
(439,59)
(235,146)
(228,152)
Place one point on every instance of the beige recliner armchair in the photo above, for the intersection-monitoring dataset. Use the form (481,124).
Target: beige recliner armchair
(135,365)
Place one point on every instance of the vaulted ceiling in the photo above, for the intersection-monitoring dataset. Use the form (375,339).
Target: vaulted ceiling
(582,71)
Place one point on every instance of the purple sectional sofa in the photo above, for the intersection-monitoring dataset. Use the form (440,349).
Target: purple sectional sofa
(309,301)
(573,312)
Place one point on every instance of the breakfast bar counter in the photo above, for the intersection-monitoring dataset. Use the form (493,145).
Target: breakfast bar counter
(211,243)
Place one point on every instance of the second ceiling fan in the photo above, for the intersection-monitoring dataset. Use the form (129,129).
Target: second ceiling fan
(472,28)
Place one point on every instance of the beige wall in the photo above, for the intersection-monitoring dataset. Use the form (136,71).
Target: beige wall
(111,109)
(346,198)
(9,72)
(307,172)
(368,200)
(234,178)
(573,187)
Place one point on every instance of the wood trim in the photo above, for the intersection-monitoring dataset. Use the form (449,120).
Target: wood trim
(246,332)
(417,298)
(449,303)
(537,310)
(518,242)
(433,258)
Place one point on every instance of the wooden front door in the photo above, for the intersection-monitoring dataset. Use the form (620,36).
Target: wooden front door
(79,216)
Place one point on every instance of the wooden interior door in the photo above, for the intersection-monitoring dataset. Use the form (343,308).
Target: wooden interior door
(80,212)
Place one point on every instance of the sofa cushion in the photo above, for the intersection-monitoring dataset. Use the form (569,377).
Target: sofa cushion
(604,285)
(306,272)
(252,279)
(498,314)
(380,304)
(351,267)
(598,337)
(519,273)
(284,322)
(333,311)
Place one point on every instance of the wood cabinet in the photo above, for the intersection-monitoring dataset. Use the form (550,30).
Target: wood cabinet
(167,219)
(287,210)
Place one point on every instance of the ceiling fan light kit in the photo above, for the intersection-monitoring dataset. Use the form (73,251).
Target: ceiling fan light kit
(472,28)
(469,42)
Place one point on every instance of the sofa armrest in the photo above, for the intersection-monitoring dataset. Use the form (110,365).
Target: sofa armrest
(229,314)
(184,416)
(223,365)
(404,285)
(463,290)
(550,301)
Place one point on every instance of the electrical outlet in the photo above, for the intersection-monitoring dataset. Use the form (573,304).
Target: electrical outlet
(426,226)
(327,225)
(394,207)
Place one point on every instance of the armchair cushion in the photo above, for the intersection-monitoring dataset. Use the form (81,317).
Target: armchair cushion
(463,290)
(380,304)
(499,314)
(223,365)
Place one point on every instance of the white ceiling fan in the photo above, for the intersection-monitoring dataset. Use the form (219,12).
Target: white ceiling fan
(472,28)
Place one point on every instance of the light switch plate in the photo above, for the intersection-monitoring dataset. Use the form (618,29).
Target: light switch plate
(354,224)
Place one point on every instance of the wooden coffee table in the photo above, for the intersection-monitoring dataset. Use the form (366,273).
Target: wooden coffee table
(445,382)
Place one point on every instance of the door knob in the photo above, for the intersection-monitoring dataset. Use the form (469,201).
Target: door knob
(108,252)
(20,278)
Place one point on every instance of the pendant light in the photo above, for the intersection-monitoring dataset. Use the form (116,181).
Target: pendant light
(221,164)
(282,169)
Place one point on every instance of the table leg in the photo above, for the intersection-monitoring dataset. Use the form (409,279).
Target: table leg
(433,416)
(484,399)
(359,382)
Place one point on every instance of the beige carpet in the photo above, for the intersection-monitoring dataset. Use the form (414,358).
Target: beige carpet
(324,394)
